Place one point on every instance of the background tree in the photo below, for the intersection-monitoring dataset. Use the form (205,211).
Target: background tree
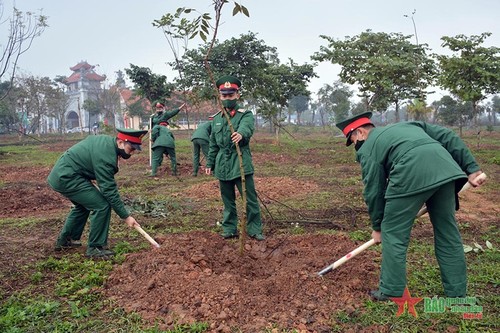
(120,79)
(453,112)
(278,85)
(495,107)
(336,100)
(22,28)
(246,57)
(267,84)
(57,104)
(359,108)
(384,66)
(419,110)
(299,104)
(8,116)
(35,92)
(473,72)
(138,108)
(151,86)
(103,101)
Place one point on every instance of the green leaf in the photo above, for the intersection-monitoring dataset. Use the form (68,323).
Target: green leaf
(203,36)
(467,248)
(489,245)
(245,11)
(236,9)
(193,35)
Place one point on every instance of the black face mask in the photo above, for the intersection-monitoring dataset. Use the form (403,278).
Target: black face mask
(123,154)
(358,144)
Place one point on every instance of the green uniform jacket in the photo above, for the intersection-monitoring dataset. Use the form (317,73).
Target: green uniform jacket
(203,132)
(409,158)
(162,137)
(156,118)
(95,158)
(222,155)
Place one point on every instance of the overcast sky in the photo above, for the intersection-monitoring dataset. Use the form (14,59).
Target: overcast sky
(116,33)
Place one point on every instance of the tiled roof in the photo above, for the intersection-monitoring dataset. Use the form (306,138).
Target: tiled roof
(81,64)
(75,77)
(129,98)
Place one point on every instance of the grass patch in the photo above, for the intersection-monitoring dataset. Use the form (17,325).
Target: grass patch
(59,295)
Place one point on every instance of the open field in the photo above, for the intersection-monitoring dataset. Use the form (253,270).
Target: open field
(310,190)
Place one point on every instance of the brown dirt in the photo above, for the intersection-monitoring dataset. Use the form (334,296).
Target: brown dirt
(278,187)
(198,276)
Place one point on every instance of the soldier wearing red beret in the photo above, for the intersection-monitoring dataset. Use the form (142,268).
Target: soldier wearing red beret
(224,163)
(405,166)
(93,159)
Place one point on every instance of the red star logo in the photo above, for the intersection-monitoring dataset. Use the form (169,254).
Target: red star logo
(406,299)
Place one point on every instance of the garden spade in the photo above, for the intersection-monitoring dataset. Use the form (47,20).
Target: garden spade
(348,256)
(145,234)
(371,242)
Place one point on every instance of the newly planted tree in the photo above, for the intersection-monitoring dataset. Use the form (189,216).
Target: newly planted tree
(203,22)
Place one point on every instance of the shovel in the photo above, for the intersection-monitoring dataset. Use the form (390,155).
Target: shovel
(371,242)
(145,234)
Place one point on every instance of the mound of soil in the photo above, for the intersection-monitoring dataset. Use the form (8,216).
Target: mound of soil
(277,187)
(200,277)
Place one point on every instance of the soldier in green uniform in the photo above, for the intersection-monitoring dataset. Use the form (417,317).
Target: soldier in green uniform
(405,166)
(93,159)
(163,116)
(223,160)
(163,144)
(200,139)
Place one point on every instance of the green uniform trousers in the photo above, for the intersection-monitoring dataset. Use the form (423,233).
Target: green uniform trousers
(157,159)
(399,215)
(230,216)
(199,144)
(87,200)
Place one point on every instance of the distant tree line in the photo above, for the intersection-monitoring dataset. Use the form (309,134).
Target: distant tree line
(391,75)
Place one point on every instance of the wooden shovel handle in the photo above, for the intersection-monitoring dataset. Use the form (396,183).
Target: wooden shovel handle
(145,234)
(467,186)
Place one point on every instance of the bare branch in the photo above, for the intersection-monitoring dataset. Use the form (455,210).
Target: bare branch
(23,29)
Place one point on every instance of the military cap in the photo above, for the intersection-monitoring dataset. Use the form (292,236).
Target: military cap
(132,136)
(349,125)
(228,84)
(159,105)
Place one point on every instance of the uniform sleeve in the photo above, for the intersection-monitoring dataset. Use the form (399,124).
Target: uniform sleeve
(155,133)
(167,115)
(246,128)
(453,144)
(375,182)
(213,150)
(105,171)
